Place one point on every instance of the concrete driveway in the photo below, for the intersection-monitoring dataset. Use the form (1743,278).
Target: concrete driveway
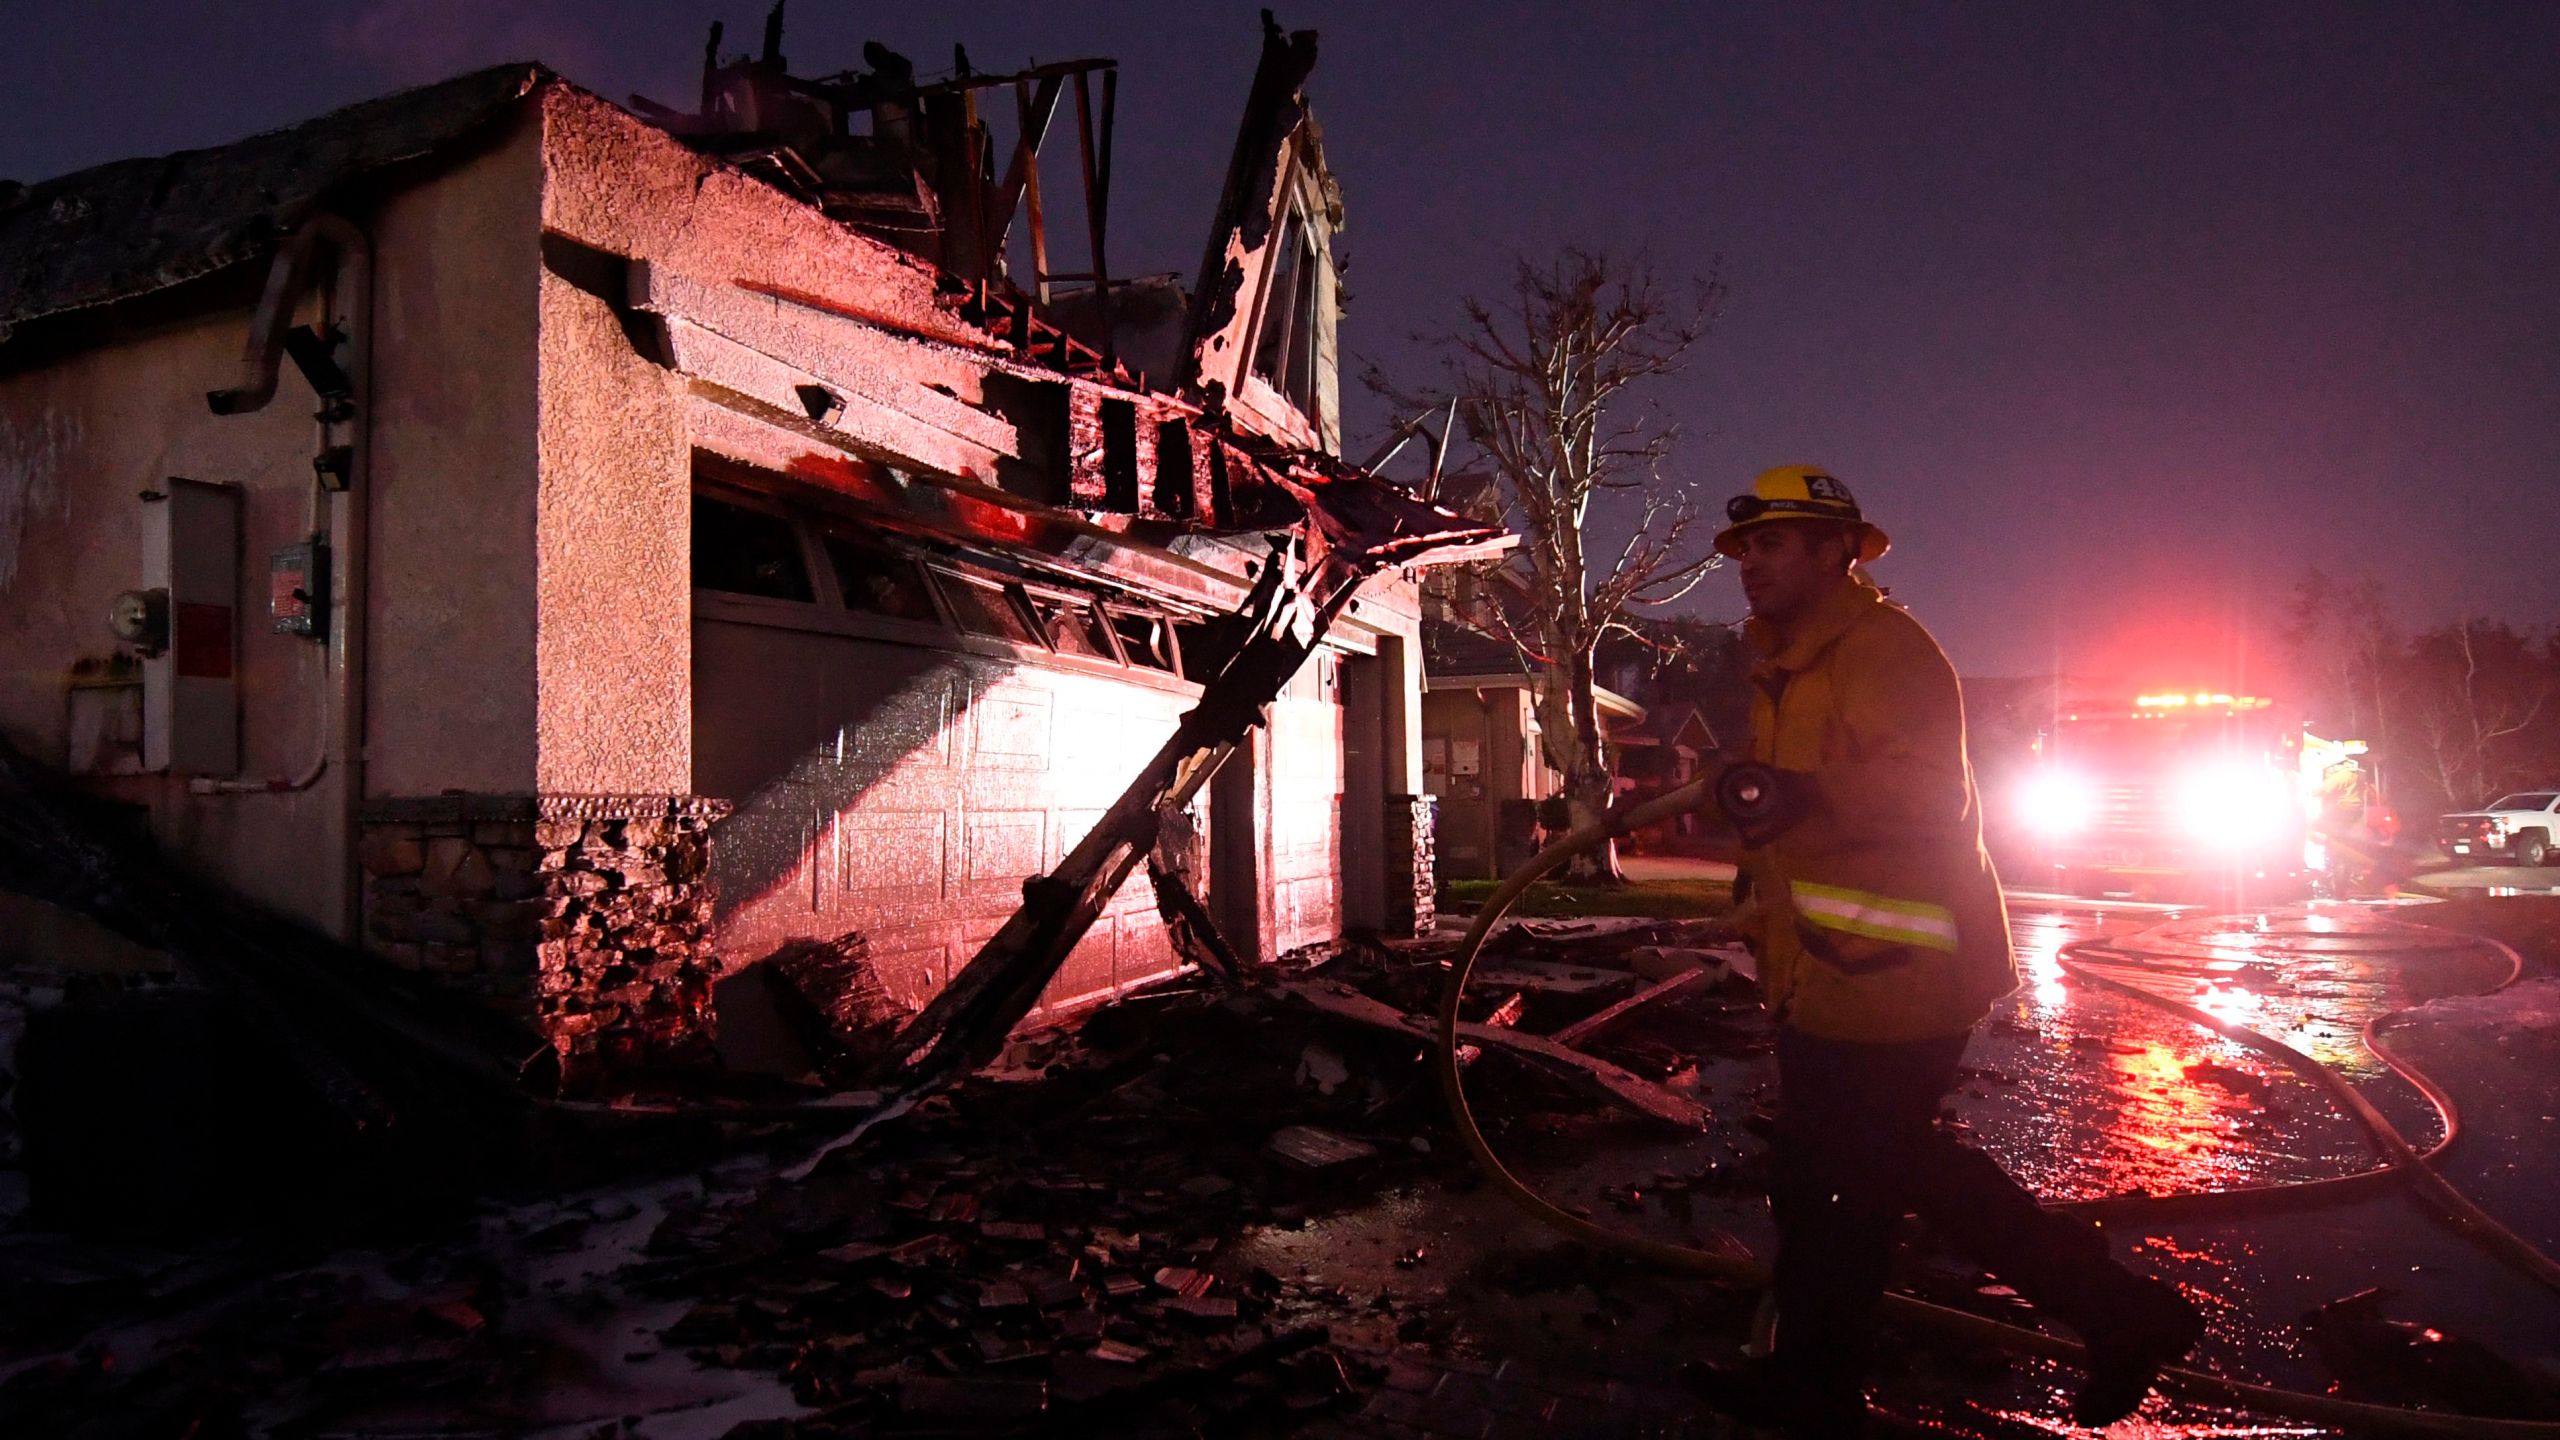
(2494,879)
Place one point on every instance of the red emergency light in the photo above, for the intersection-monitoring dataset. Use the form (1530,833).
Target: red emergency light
(2200,700)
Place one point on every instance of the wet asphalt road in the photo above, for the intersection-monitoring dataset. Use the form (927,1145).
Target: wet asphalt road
(2081,1094)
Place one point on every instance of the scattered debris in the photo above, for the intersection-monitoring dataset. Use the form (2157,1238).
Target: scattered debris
(2397,1362)
(1546,977)
(1310,1148)
(1321,1069)
(1592,1024)
(1608,1081)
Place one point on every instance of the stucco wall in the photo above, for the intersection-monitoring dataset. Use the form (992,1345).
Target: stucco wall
(83,434)
(452,655)
(613,651)
(80,439)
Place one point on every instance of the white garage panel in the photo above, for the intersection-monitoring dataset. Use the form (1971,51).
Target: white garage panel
(1306,808)
(907,791)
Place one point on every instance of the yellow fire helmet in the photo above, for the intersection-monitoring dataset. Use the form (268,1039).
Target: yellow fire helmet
(1800,492)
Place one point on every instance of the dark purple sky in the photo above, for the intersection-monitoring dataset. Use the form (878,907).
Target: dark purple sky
(2116,316)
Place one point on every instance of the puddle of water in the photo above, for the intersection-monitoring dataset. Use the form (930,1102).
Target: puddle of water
(2081,1093)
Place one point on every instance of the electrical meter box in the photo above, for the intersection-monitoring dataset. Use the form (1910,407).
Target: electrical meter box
(191,689)
(298,590)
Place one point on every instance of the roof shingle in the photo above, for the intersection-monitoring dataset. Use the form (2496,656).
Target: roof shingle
(130,227)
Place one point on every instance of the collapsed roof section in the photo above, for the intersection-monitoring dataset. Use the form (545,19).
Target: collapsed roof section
(918,163)
(1229,425)
(1260,327)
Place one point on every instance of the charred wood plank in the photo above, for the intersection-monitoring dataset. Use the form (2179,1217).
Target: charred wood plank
(1599,1020)
(1595,1077)
(1194,930)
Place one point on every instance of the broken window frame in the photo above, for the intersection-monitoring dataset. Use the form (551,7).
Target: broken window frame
(1298,265)
(1163,650)
(827,614)
(1100,640)
(752,504)
(939,569)
(1002,598)
(830,533)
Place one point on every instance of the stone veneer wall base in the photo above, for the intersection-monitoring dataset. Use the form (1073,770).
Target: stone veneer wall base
(586,916)
(1412,880)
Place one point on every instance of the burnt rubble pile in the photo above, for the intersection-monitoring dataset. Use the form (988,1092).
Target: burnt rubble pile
(1062,1244)
(1048,1245)
(832,999)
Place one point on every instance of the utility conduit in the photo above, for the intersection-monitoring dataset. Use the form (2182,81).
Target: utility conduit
(1738,1266)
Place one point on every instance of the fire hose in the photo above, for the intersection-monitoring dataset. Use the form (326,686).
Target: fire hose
(1944,1322)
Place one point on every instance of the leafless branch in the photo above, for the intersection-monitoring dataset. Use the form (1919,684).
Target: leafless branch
(1549,386)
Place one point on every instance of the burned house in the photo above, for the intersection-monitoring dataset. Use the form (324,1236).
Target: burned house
(574,551)
(1498,794)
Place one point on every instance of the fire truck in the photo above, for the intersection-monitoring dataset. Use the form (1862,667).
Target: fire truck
(2184,797)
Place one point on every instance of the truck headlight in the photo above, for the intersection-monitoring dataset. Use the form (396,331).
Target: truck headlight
(2058,803)
(2235,807)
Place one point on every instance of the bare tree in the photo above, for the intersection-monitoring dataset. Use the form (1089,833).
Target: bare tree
(1550,389)
(2346,648)
(2481,684)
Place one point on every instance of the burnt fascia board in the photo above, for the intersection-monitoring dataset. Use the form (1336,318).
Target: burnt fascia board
(752,433)
(705,355)
(934,378)
(858,362)
(932,381)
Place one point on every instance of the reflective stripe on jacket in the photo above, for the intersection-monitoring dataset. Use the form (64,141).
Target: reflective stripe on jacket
(1879,916)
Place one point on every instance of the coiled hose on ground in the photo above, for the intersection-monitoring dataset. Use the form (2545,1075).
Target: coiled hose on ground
(2404,1162)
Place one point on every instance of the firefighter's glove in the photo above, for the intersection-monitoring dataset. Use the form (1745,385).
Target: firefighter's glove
(1763,801)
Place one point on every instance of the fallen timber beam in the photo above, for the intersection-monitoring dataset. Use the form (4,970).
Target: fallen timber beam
(1599,1020)
(1597,1077)
(1196,936)
(1353,527)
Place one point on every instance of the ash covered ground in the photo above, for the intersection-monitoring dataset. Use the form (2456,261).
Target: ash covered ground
(1231,1211)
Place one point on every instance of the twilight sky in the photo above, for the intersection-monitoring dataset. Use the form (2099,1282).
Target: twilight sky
(2116,317)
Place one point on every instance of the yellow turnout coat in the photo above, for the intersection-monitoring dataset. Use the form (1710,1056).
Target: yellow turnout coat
(1879,918)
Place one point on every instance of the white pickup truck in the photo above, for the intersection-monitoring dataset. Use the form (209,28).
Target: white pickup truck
(2523,827)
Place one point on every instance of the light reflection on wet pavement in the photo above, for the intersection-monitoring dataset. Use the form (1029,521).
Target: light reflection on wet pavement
(2182,1109)
(2185,1109)
(2086,1094)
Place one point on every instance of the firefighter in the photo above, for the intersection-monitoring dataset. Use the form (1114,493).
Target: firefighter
(1883,940)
